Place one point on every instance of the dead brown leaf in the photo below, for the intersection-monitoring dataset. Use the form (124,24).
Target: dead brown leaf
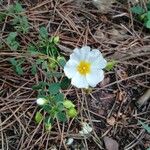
(103,5)
(111,120)
(110,143)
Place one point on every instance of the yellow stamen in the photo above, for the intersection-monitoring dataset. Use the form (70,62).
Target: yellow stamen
(84,67)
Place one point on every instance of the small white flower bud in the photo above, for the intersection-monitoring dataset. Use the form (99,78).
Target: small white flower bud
(41,101)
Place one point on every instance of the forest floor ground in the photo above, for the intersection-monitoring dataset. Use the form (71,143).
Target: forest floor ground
(111,108)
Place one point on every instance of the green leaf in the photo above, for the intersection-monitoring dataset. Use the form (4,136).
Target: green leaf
(43,33)
(47,108)
(137,10)
(54,111)
(19,70)
(54,88)
(56,39)
(15,45)
(65,83)
(148,24)
(13,61)
(38,117)
(48,127)
(61,116)
(54,51)
(15,20)
(110,65)
(33,69)
(25,24)
(148,6)
(148,15)
(39,61)
(52,65)
(2,16)
(54,74)
(42,93)
(21,23)
(31,48)
(72,112)
(11,37)
(48,119)
(61,61)
(44,65)
(41,85)
(11,41)
(68,104)
(143,17)
(60,106)
(59,98)
(17,65)
(16,8)
(145,126)
(48,122)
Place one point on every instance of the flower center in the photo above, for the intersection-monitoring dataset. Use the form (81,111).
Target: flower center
(84,67)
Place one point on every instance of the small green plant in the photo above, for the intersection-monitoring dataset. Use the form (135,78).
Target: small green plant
(143,14)
(48,45)
(19,19)
(54,104)
(12,41)
(50,98)
(15,8)
(17,65)
(110,65)
(21,24)
(49,58)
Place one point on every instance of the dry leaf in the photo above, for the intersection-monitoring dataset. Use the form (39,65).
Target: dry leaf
(111,121)
(103,5)
(121,96)
(118,34)
(110,143)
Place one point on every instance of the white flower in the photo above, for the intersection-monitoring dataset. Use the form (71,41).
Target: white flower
(85,67)
(41,101)
(86,129)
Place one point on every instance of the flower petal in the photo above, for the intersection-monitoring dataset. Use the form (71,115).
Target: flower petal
(70,68)
(99,63)
(86,49)
(92,55)
(79,81)
(96,58)
(75,55)
(95,77)
(80,54)
(84,52)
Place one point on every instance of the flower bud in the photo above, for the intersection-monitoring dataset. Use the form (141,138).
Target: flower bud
(41,101)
